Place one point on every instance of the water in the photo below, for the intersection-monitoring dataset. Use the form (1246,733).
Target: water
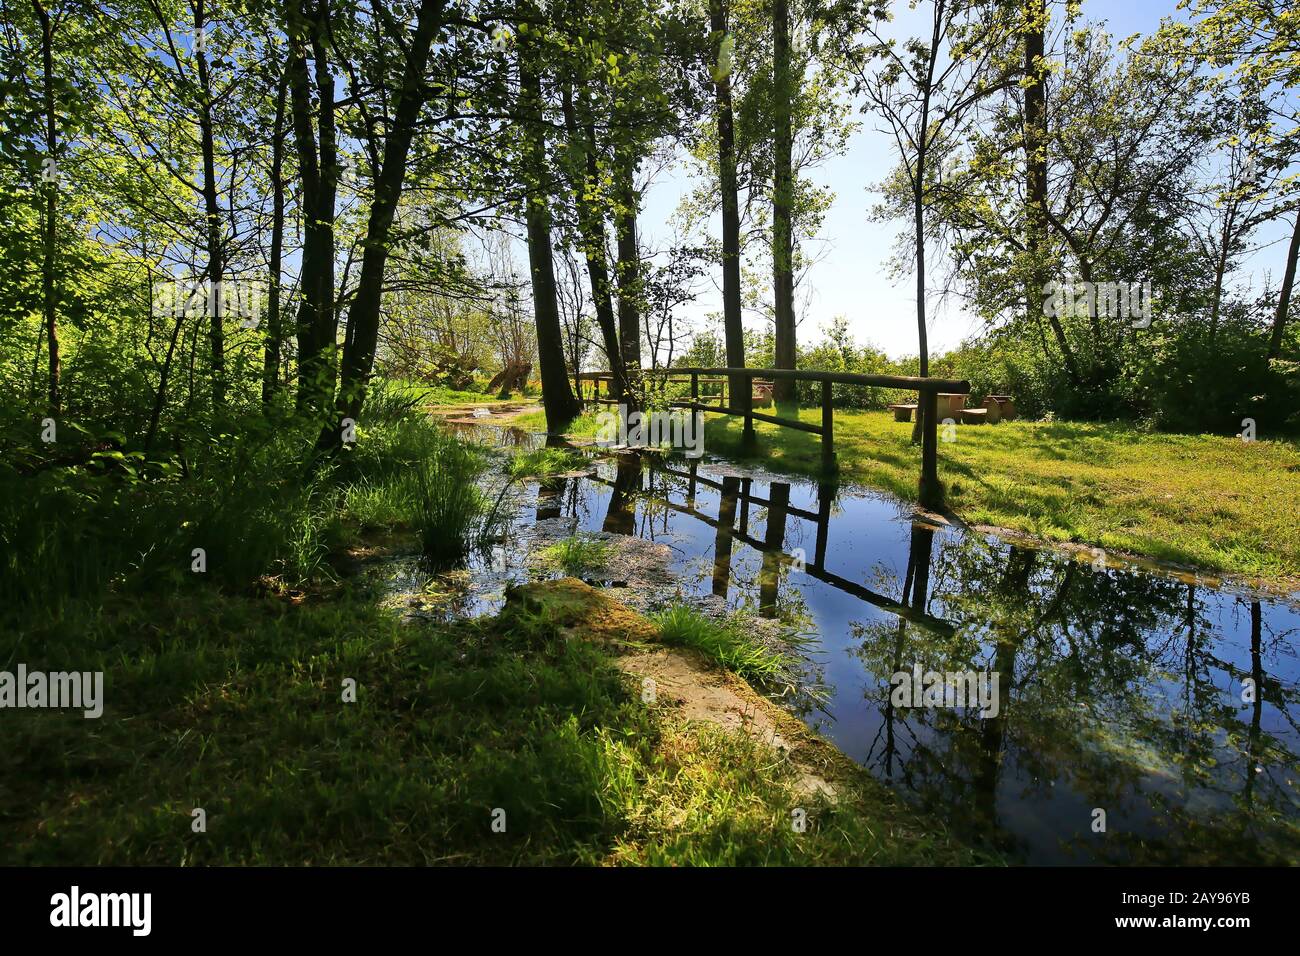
(1120,689)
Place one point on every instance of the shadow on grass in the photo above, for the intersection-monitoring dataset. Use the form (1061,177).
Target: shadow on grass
(493,742)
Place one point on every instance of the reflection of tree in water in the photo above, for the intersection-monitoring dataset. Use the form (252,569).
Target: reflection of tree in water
(1112,695)
(620,518)
(1116,689)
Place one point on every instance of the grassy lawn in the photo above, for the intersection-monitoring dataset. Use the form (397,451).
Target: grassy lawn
(1206,500)
(234,704)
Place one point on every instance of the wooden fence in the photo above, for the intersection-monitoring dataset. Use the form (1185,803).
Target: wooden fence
(736,398)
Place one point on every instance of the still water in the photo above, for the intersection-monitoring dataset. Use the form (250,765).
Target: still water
(1120,689)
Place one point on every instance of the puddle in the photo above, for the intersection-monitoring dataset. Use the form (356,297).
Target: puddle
(1119,689)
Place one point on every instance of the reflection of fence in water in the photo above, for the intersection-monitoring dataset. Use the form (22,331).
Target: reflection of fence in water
(735,499)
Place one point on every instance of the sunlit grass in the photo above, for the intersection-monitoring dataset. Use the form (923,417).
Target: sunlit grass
(586,425)
(545,462)
(734,646)
(577,555)
(446,503)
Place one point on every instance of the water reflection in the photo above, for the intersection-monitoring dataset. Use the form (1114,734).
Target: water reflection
(1120,690)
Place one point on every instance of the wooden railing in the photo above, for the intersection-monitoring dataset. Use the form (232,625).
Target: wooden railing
(741,405)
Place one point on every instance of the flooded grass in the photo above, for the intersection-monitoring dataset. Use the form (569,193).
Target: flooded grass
(1204,501)
(1167,701)
(1121,687)
(576,556)
(545,462)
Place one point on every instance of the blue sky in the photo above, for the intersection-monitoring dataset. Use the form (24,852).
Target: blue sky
(851,279)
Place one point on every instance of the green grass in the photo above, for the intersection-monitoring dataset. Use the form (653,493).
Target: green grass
(730,643)
(425,394)
(234,704)
(428,395)
(224,690)
(376,505)
(1209,501)
(576,556)
(236,509)
(447,505)
(586,425)
(545,462)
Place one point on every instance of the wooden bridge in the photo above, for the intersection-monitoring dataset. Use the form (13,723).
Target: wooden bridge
(735,397)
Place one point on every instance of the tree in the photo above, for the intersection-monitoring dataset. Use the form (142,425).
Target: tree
(315,135)
(1257,40)
(49,224)
(363,315)
(720,65)
(782,199)
(557,397)
(925,93)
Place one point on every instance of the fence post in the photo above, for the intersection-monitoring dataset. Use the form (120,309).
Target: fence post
(747,399)
(695,387)
(930,491)
(825,496)
(828,429)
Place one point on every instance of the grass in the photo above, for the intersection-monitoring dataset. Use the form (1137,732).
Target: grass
(224,690)
(730,643)
(234,704)
(1209,501)
(577,555)
(237,508)
(545,462)
(428,395)
(446,504)
(586,425)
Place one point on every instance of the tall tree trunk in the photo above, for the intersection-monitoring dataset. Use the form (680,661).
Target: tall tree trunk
(1035,12)
(318,168)
(782,200)
(557,397)
(1284,296)
(274,333)
(49,287)
(1216,302)
(362,337)
(629,273)
(309,175)
(160,396)
(212,221)
(733,330)
(922,337)
(591,229)
(918,224)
